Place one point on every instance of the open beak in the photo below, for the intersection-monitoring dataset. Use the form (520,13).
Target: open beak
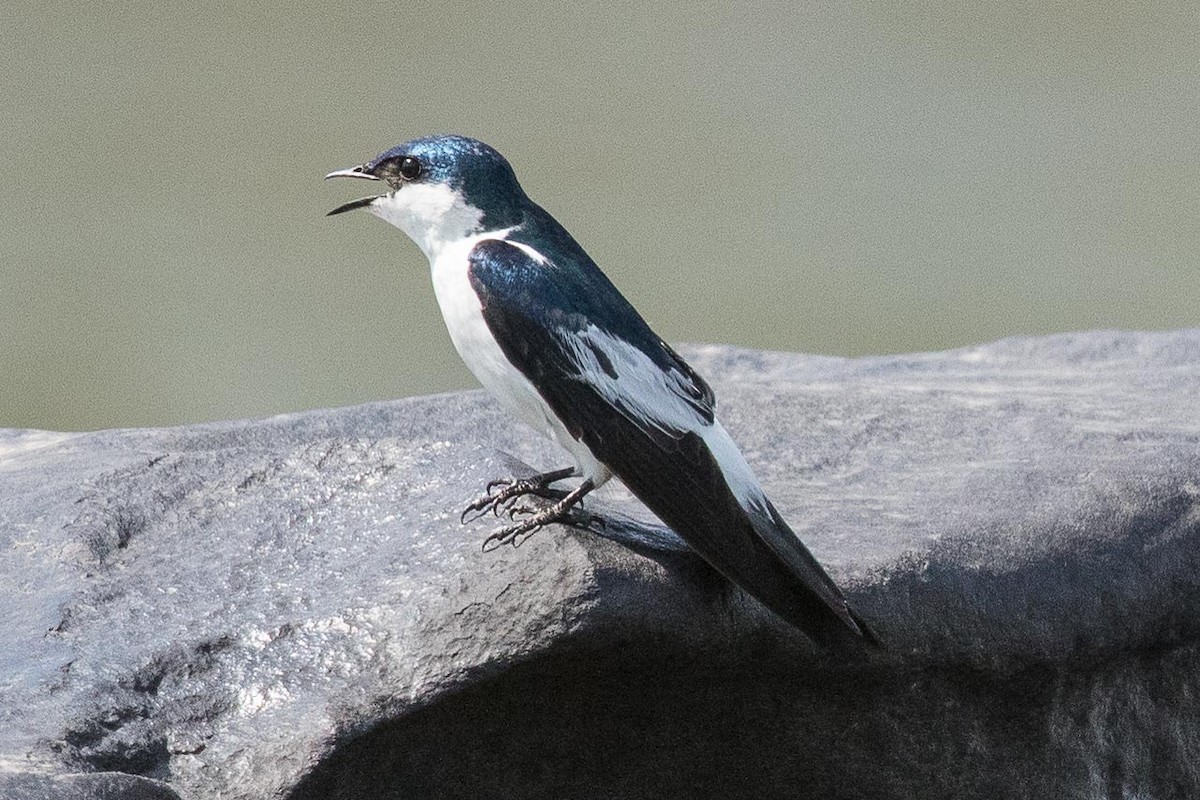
(354,172)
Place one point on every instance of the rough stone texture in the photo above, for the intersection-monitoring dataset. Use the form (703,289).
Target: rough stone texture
(88,786)
(290,608)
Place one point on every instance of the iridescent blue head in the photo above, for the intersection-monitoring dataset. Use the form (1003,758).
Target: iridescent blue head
(441,189)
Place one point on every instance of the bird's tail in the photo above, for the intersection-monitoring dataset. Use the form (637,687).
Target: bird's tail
(793,584)
(716,504)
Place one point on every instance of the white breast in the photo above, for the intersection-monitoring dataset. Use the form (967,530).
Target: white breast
(441,224)
(482,354)
(479,350)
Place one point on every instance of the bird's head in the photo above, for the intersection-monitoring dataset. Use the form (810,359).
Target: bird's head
(440,189)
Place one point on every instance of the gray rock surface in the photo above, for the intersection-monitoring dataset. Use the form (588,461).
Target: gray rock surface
(290,608)
(85,786)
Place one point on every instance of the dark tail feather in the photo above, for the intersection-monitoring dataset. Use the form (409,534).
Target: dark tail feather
(681,482)
(802,592)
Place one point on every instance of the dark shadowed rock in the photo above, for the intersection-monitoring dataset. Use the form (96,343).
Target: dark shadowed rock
(290,608)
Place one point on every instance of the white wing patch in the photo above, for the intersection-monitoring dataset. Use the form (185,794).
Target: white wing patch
(537,257)
(625,376)
(628,379)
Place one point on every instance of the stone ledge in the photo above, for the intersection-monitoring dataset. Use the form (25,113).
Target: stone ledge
(289,607)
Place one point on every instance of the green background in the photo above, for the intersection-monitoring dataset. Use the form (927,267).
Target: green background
(820,178)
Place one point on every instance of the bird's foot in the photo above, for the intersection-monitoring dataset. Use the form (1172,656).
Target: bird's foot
(535,518)
(502,493)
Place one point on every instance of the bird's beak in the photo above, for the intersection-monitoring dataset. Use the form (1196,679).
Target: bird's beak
(354,172)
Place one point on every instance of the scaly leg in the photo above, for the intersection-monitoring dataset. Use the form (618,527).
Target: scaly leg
(512,488)
(515,534)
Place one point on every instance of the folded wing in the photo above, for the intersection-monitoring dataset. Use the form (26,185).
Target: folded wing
(646,415)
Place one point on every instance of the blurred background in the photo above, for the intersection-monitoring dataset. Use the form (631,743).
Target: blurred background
(823,178)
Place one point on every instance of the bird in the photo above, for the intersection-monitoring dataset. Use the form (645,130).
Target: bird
(559,347)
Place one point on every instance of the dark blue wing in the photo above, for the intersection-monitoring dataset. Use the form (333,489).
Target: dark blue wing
(644,413)
(573,334)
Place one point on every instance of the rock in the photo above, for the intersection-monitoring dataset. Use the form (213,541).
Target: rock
(89,786)
(290,607)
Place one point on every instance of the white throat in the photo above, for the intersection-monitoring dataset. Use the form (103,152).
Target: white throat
(433,215)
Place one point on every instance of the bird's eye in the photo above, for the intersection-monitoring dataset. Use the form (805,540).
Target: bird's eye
(409,168)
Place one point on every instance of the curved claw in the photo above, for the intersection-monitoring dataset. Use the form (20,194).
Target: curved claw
(492,500)
(518,533)
(502,493)
(534,519)
(514,510)
(504,505)
(474,507)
